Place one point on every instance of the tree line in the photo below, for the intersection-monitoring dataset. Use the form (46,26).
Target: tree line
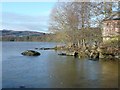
(44,38)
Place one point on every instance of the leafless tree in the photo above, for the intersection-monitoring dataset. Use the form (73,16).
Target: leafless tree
(75,22)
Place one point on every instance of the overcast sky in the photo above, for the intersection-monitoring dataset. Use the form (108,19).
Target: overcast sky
(33,16)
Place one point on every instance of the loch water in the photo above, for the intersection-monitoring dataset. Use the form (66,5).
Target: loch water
(50,70)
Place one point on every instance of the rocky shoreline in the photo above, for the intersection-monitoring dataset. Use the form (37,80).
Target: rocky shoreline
(92,52)
(95,51)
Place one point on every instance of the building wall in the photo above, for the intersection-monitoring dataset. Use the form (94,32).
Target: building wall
(111,28)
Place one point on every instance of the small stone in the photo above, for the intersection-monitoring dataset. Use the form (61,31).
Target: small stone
(22,87)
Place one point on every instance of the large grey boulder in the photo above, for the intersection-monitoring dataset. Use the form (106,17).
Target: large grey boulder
(30,53)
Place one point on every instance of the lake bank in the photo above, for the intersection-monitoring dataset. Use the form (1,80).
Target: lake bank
(87,51)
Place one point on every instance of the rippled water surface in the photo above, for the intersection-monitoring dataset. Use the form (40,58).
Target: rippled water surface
(49,70)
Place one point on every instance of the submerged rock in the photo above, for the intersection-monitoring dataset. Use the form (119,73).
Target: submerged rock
(64,54)
(30,53)
(69,54)
(45,48)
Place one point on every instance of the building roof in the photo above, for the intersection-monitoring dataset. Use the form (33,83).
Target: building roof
(114,16)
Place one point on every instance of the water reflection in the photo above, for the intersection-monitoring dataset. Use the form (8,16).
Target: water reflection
(73,72)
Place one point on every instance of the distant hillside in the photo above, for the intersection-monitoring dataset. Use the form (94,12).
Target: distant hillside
(10,35)
(20,33)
